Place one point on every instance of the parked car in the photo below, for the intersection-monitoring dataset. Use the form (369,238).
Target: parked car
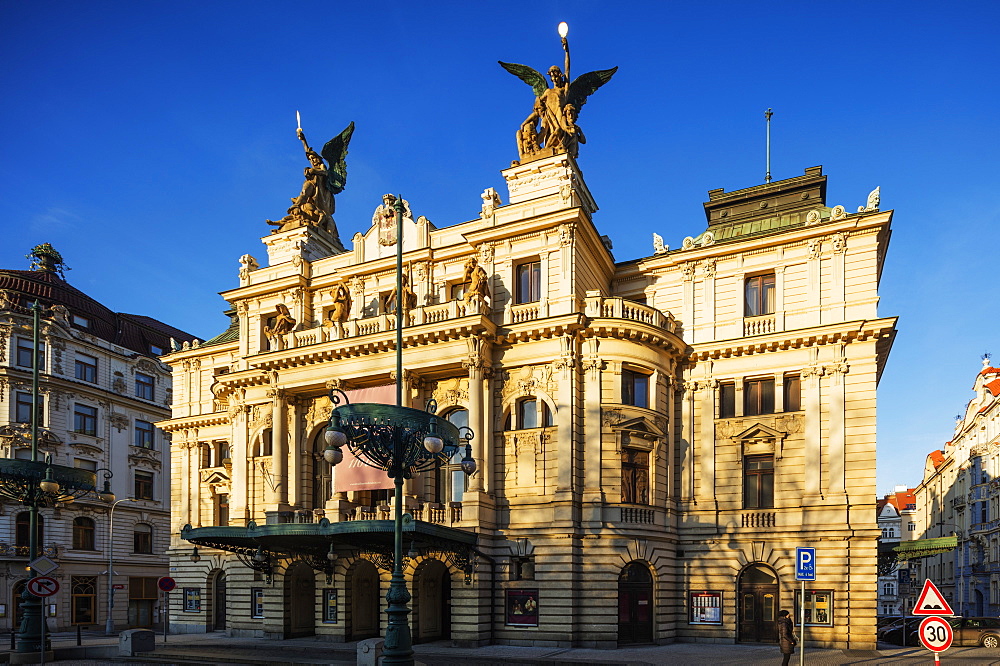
(969,632)
(893,632)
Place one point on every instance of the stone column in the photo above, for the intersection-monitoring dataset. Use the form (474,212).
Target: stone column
(565,368)
(239,445)
(779,299)
(667,401)
(279,450)
(593,489)
(477,423)
(183,450)
(813,300)
(296,450)
(706,442)
(837,444)
(687,440)
(813,459)
(708,286)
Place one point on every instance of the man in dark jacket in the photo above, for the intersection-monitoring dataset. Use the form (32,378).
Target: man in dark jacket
(786,636)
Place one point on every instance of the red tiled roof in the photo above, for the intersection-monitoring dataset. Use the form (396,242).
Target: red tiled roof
(993,386)
(936,457)
(134,332)
(990,371)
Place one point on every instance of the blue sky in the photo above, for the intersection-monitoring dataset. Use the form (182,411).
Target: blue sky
(129,127)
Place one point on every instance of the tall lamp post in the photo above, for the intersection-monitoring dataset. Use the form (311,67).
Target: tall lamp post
(109,625)
(401,441)
(35,484)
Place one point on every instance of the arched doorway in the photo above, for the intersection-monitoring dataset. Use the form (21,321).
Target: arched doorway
(432,602)
(980,602)
(300,601)
(757,599)
(635,604)
(217,616)
(364,603)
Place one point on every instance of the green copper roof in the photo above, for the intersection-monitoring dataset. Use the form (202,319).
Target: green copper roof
(914,550)
(231,334)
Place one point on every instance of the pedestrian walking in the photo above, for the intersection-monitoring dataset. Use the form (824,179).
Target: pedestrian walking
(786,636)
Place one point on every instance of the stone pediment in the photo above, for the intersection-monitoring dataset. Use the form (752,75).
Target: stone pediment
(215,476)
(758,432)
(633,431)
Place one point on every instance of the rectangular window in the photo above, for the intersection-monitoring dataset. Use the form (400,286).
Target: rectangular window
(143,485)
(144,386)
(330,605)
(257,602)
(529,282)
(759,295)
(635,388)
(727,400)
(705,608)
(819,607)
(758,482)
(156,350)
(635,476)
(793,393)
(83,463)
(142,539)
(911,527)
(85,419)
(24,351)
(758,397)
(82,322)
(86,368)
(143,434)
(22,408)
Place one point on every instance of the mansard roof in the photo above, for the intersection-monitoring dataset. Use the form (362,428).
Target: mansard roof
(136,332)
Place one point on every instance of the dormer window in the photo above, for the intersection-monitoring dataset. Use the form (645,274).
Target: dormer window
(82,322)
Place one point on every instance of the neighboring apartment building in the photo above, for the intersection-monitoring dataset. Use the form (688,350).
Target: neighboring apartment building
(102,388)
(655,437)
(897,523)
(960,497)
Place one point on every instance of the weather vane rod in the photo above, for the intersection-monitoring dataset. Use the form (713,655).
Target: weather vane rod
(767,117)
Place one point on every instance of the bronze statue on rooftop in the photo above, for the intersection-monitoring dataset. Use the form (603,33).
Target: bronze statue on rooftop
(551,127)
(315,204)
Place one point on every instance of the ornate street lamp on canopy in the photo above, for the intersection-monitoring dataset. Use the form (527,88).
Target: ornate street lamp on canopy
(401,441)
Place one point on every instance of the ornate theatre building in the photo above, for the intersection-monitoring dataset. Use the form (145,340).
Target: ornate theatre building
(654,437)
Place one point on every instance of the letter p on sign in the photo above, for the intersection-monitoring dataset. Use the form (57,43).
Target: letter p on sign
(805,564)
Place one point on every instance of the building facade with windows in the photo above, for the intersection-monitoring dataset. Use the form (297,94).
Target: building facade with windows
(959,506)
(897,521)
(102,388)
(655,437)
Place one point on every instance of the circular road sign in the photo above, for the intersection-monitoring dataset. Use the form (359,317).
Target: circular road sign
(43,586)
(936,634)
(166,583)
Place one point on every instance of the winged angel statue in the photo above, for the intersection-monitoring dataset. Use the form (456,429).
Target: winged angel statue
(551,128)
(314,206)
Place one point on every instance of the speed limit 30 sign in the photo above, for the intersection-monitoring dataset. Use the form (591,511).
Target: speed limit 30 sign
(936,634)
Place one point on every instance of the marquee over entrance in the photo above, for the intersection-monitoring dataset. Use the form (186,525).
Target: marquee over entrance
(321,543)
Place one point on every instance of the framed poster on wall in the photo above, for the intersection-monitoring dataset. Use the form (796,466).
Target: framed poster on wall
(705,607)
(192,599)
(819,607)
(330,605)
(522,608)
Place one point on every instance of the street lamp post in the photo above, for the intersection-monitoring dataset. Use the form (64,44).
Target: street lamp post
(109,626)
(36,484)
(401,441)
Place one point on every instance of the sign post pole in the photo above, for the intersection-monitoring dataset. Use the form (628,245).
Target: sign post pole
(805,569)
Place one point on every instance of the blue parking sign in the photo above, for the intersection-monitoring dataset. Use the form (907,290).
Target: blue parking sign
(805,564)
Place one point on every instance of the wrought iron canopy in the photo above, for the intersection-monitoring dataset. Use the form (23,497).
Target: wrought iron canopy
(312,541)
(20,480)
(394,438)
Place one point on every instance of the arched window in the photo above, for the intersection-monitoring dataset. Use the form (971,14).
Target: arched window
(142,539)
(83,533)
(530,413)
(322,473)
(264,444)
(23,530)
(450,481)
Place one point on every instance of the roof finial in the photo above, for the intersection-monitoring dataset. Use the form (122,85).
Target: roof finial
(767,117)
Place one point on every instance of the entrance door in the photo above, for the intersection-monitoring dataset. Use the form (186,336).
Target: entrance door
(300,589)
(635,605)
(432,602)
(219,603)
(364,602)
(758,605)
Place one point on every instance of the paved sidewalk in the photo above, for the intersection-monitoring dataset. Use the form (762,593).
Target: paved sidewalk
(212,649)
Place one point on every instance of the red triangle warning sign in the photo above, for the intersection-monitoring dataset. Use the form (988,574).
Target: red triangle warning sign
(932,602)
